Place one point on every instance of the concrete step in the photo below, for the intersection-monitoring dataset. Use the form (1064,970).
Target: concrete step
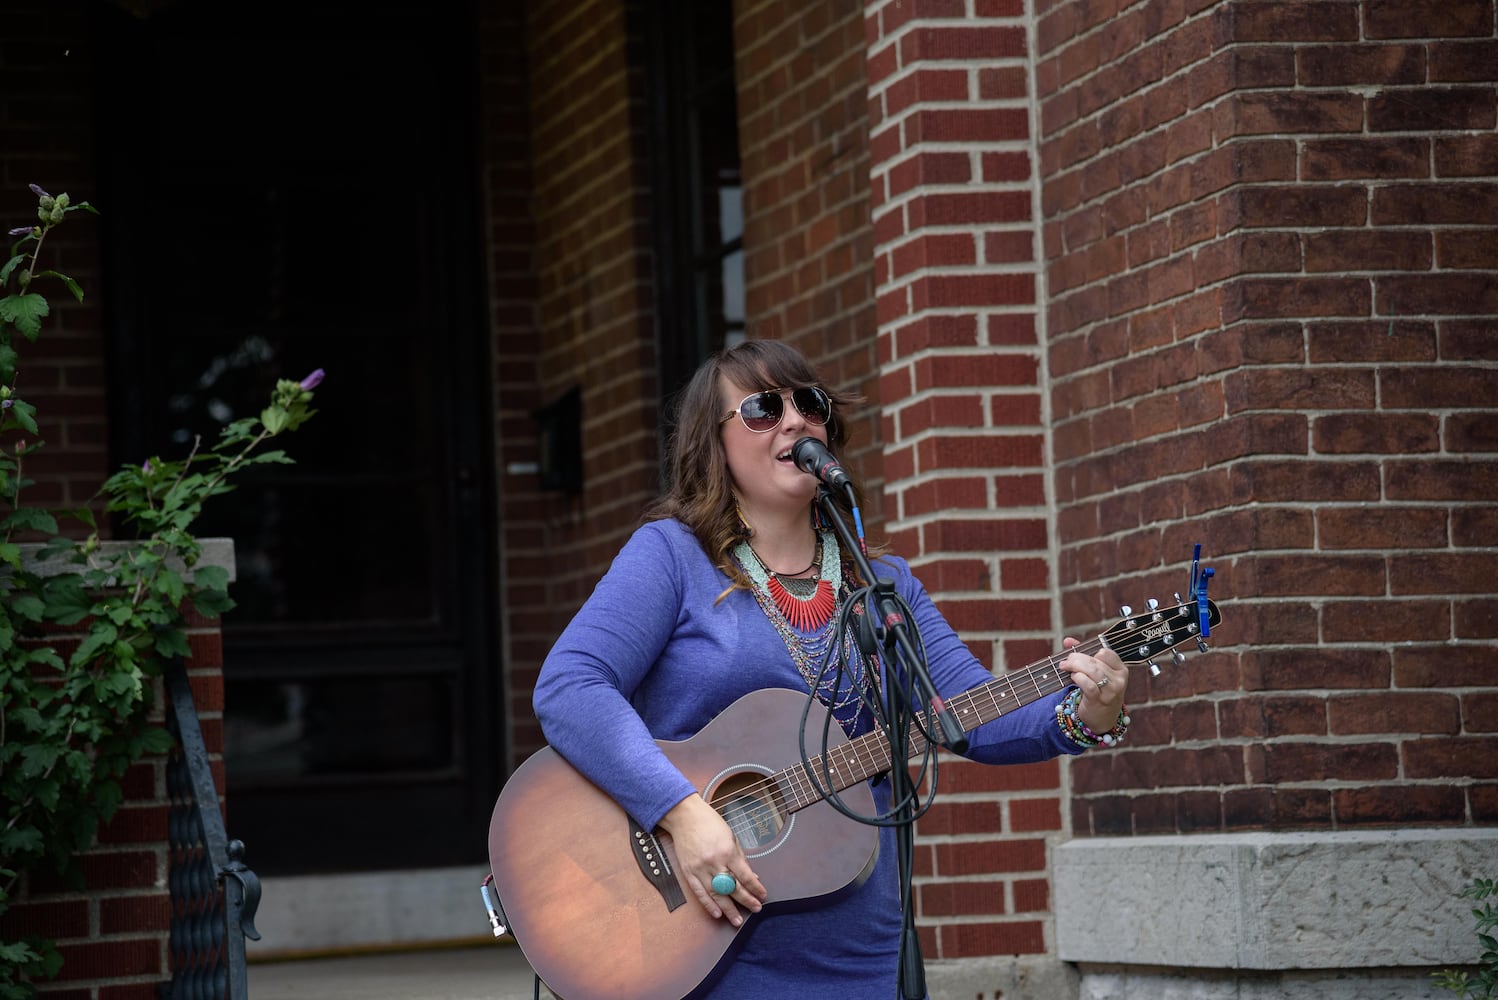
(488,972)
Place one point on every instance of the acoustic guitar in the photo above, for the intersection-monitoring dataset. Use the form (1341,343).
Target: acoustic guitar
(594,900)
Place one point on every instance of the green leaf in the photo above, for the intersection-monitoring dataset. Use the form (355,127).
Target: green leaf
(20,840)
(67,604)
(30,519)
(28,607)
(171,643)
(24,414)
(170,585)
(72,285)
(157,740)
(107,798)
(83,515)
(211,577)
(37,758)
(24,312)
(211,603)
(274,418)
(8,359)
(102,635)
(10,266)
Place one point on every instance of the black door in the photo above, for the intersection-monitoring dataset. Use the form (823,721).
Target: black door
(291,186)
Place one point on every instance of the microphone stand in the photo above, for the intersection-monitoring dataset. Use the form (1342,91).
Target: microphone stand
(891,631)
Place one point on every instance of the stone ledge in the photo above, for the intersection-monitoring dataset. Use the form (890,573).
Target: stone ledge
(216,552)
(1272,900)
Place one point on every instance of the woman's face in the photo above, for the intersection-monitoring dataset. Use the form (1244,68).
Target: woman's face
(764,476)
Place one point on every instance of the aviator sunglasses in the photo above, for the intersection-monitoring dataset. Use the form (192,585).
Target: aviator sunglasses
(763,411)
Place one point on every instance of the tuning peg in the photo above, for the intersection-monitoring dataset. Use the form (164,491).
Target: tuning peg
(1152,604)
(1154,668)
(1177,657)
(1178,597)
(1201,644)
(1125,611)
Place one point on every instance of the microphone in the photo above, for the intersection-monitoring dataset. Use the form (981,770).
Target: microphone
(812,457)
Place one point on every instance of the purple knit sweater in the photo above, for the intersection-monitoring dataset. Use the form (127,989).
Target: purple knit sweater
(651,656)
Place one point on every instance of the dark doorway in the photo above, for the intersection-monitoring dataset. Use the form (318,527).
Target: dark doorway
(289,186)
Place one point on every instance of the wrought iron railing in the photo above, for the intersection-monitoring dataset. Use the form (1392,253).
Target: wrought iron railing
(214,894)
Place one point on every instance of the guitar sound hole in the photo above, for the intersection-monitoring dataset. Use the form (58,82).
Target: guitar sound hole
(747,803)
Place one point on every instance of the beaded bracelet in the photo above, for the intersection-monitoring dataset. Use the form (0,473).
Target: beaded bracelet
(1076,730)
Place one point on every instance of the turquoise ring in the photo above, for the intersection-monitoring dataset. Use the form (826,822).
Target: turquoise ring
(724,884)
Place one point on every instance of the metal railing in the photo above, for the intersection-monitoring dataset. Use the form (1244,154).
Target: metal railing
(214,894)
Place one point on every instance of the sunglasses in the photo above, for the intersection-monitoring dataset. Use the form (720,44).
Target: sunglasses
(763,411)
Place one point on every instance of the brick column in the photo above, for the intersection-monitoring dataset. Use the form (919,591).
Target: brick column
(1274,298)
(113,932)
(1274,295)
(964,445)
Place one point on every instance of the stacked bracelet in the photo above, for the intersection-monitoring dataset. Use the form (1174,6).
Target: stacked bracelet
(1076,730)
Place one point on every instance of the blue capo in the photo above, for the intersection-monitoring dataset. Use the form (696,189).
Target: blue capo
(1200,577)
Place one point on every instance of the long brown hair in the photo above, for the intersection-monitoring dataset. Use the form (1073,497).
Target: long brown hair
(700,492)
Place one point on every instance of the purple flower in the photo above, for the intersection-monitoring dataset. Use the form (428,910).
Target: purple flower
(146,467)
(314,380)
(36,190)
(6,404)
(22,231)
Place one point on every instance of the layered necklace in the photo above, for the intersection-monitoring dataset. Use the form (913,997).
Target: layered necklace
(807,612)
(805,622)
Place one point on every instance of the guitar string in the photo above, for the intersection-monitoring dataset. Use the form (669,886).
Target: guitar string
(806,793)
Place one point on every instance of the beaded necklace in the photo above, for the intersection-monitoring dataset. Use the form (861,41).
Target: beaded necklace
(809,647)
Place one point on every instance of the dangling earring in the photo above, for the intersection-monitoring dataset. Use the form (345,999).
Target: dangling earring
(817,524)
(745,528)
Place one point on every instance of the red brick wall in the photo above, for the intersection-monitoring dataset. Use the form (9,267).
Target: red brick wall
(46,137)
(589,320)
(808,246)
(1271,263)
(526,631)
(113,934)
(964,442)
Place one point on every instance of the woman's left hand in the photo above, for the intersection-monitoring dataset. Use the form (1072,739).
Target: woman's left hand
(1101,679)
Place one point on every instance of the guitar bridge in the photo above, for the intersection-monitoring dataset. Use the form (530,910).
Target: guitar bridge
(655,866)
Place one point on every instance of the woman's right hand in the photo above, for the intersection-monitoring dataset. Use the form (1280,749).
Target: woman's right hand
(705,847)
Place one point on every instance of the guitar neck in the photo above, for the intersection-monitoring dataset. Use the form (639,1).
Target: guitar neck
(869,755)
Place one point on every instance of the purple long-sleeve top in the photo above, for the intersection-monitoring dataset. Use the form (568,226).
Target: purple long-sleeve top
(653,655)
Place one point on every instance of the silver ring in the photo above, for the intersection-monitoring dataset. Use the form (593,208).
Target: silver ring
(1102,683)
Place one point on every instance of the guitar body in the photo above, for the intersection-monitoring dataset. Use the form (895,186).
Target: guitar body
(597,913)
(596,903)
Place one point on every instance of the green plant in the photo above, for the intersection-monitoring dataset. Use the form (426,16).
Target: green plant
(1483,985)
(76,709)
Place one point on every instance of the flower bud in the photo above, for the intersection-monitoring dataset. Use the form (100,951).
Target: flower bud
(37,190)
(313,380)
(62,200)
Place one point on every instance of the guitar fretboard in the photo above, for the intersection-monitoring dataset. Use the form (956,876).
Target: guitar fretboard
(868,755)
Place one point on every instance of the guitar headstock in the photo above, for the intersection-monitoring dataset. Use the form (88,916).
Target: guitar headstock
(1140,638)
